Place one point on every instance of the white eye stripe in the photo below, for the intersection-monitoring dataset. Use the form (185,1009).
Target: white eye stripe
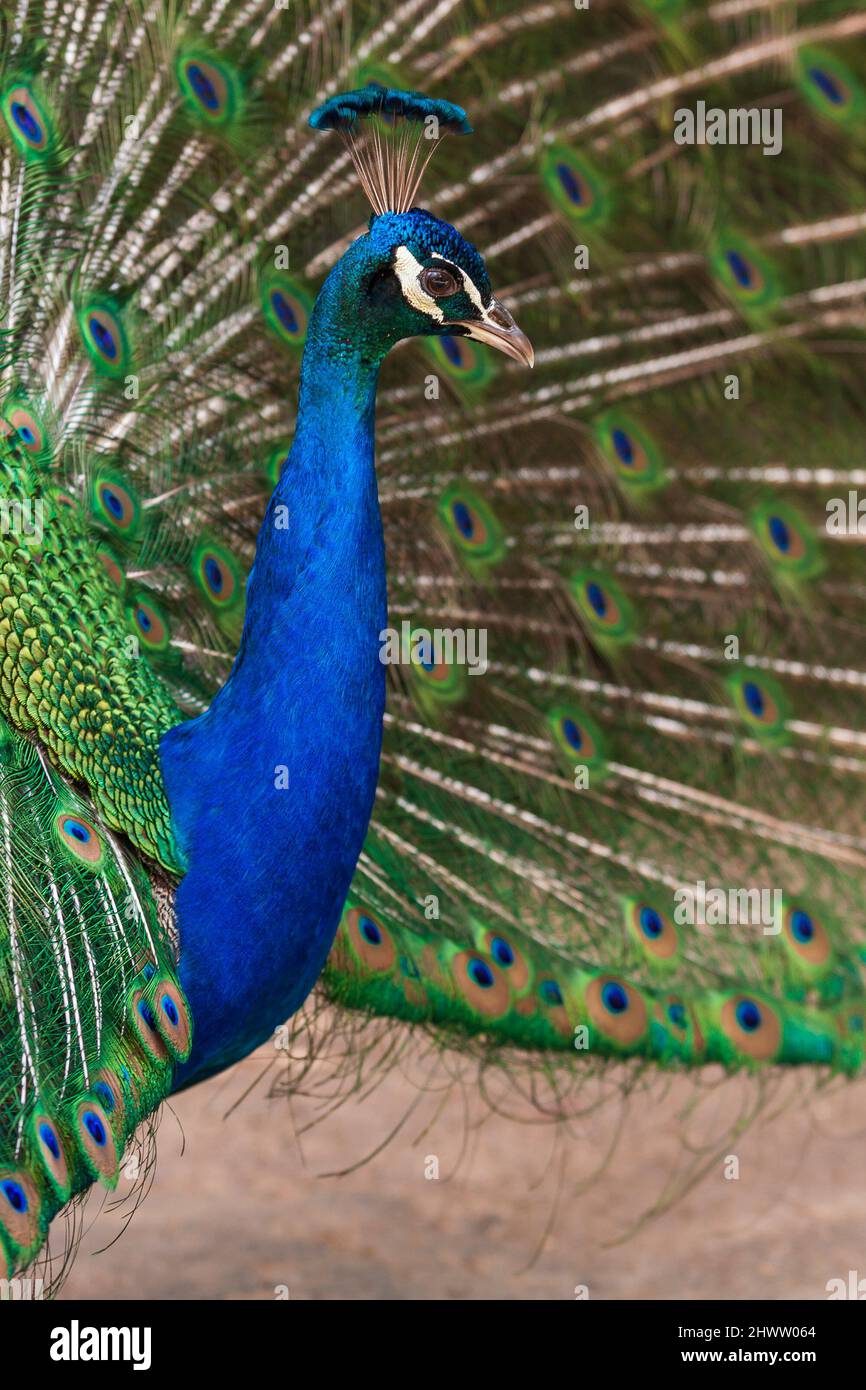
(408,270)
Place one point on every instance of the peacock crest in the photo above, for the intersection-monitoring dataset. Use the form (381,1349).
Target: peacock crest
(391,137)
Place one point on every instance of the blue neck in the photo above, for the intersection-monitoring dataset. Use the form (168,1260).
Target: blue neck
(269,865)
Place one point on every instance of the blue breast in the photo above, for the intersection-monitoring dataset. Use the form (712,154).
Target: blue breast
(271,789)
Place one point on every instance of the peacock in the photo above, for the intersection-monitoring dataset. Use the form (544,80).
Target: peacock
(342,652)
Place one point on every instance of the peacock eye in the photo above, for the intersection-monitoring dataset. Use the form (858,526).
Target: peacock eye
(438,281)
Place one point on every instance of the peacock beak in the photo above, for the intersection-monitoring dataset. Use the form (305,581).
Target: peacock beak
(498,329)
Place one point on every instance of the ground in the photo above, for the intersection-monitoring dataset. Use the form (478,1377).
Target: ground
(240,1208)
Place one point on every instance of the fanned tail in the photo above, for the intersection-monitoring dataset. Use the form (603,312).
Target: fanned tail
(631,821)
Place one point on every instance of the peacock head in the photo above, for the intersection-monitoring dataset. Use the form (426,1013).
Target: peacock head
(414,275)
(411,274)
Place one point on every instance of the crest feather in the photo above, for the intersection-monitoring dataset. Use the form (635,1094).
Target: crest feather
(385,131)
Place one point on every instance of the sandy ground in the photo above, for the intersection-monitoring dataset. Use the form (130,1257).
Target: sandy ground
(244,1211)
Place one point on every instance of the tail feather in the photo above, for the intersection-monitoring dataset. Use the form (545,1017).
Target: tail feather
(662,683)
(672,697)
